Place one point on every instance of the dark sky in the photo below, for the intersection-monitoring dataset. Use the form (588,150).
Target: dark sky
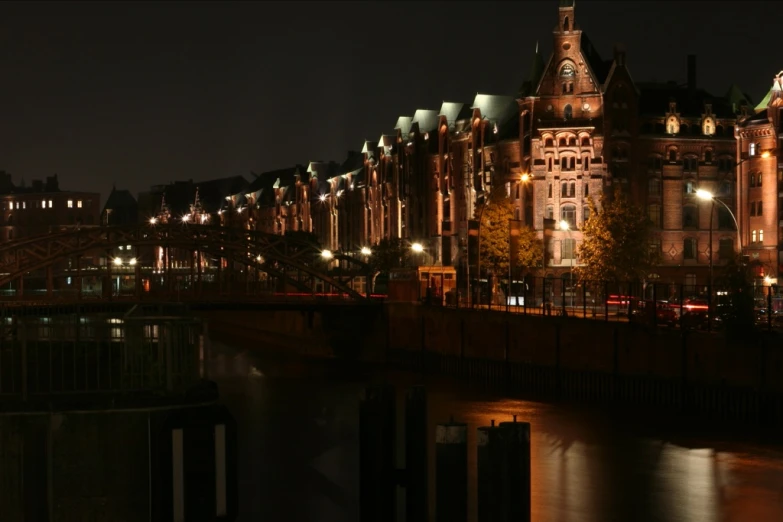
(149,92)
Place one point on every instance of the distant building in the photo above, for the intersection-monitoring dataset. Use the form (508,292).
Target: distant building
(120,209)
(43,207)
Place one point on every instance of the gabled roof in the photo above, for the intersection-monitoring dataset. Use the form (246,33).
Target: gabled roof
(497,109)
(403,124)
(426,119)
(596,64)
(455,111)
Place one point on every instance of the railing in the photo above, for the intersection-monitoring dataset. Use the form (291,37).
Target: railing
(49,351)
(653,303)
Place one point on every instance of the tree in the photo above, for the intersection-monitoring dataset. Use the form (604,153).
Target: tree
(616,245)
(389,253)
(737,313)
(495,236)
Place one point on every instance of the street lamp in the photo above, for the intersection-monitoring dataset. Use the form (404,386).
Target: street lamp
(566,227)
(417,248)
(117,261)
(327,254)
(366,251)
(153,221)
(706,195)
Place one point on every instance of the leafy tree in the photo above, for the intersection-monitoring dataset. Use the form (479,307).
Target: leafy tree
(616,245)
(531,249)
(495,245)
(389,253)
(737,313)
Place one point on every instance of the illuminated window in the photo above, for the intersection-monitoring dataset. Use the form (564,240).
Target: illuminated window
(752,149)
(70,203)
(569,249)
(50,203)
(753,236)
(758,180)
(761,235)
(689,249)
(43,203)
(17,205)
(568,214)
(24,204)
(79,203)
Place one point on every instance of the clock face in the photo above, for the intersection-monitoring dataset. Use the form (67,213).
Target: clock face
(549,108)
(586,107)
(567,71)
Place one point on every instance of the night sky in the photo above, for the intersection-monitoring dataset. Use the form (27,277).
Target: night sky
(144,93)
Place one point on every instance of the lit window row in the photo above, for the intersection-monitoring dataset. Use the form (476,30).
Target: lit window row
(78,203)
(43,203)
(757,236)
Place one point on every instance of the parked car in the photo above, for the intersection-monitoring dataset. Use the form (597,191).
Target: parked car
(695,313)
(665,313)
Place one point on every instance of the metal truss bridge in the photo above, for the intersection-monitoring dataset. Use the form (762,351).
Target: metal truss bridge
(176,262)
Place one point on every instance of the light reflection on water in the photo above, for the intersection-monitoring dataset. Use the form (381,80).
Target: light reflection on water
(299,454)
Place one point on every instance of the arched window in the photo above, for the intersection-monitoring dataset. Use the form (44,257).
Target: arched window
(586,163)
(572,189)
(550,190)
(564,189)
(752,179)
(758,179)
(568,214)
(672,156)
(566,24)
(568,112)
(689,248)
(572,141)
(586,191)
(562,142)
(708,156)
(753,236)
(585,214)
(549,142)
(726,248)
(585,142)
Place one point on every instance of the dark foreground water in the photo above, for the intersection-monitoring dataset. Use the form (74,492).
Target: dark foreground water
(299,452)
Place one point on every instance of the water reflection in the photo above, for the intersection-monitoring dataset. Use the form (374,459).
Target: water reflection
(299,453)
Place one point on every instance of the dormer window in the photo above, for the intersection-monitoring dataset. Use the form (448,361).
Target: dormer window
(708,126)
(672,125)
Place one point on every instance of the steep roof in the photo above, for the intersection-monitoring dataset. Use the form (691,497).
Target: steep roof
(598,65)
(654,99)
(124,207)
(427,119)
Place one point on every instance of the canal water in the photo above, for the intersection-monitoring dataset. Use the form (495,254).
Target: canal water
(298,451)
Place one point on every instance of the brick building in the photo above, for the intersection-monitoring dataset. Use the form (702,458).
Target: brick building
(579,126)
(760,178)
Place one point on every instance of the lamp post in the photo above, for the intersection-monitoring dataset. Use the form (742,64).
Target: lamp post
(566,227)
(706,195)
(484,205)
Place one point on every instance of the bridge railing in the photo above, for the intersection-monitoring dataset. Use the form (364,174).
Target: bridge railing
(48,351)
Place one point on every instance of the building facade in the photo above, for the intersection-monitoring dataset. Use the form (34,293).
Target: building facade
(579,127)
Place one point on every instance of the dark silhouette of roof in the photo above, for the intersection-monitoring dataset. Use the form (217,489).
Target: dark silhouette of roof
(123,206)
(654,99)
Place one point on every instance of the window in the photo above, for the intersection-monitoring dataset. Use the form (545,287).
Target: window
(550,213)
(690,217)
(690,164)
(761,235)
(689,187)
(760,208)
(752,208)
(550,190)
(725,221)
(655,246)
(568,214)
(672,156)
(586,191)
(654,187)
(70,203)
(50,203)
(568,247)
(585,214)
(586,163)
(752,179)
(654,214)
(726,248)
(24,205)
(753,236)
(752,149)
(758,179)
(43,203)
(656,163)
(564,189)
(708,157)
(79,203)
(549,142)
(585,142)
(567,112)
(689,249)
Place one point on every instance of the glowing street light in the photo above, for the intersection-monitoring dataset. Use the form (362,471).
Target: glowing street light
(417,247)
(525,178)
(765,154)
(564,226)
(706,195)
(326,254)
(132,261)
(117,261)
(186,218)
(366,251)
(322,197)
(153,221)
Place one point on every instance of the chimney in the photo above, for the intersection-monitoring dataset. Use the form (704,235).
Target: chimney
(619,54)
(691,72)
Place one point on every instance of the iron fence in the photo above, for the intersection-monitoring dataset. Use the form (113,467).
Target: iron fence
(651,302)
(50,350)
